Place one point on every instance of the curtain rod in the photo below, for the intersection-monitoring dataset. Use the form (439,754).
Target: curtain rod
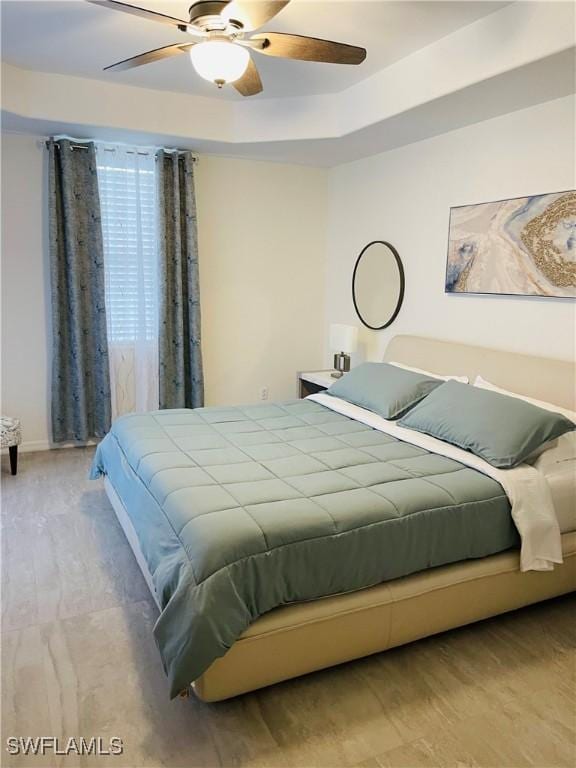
(113,149)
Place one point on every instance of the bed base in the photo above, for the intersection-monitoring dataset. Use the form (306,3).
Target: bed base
(304,637)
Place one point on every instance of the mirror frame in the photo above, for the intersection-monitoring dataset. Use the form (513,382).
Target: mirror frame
(400,292)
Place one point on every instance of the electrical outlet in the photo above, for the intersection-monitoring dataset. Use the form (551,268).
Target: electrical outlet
(264,393)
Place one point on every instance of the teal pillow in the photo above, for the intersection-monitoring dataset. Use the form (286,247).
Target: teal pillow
(384,389)
(501,430)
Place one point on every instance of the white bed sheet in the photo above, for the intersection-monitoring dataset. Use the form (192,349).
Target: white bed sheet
(562,482)
(527,489)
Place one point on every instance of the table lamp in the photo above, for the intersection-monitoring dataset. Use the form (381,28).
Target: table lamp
(343,341)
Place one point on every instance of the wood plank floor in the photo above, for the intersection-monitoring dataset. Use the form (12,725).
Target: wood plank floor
(79,660)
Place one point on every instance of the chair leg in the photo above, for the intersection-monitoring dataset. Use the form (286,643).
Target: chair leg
(13,451)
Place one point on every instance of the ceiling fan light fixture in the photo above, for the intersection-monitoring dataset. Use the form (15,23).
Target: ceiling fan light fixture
(219,61)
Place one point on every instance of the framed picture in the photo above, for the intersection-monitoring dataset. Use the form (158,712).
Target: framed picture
(525,246)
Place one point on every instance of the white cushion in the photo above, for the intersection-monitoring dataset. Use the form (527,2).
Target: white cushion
(461,379)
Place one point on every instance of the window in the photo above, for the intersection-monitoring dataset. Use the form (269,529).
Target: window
(127,184)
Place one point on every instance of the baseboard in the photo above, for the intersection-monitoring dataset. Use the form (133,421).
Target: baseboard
(32,446)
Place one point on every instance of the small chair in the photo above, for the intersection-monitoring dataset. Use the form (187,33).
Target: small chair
(11,437)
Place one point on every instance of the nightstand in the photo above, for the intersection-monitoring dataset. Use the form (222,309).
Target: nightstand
(311,382)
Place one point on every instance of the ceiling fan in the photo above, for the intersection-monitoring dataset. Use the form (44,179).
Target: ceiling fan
(221,54)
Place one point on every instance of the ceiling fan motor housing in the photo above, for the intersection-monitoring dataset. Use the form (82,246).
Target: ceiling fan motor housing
(205,15)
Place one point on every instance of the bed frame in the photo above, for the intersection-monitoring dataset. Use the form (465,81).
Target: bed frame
(304,637)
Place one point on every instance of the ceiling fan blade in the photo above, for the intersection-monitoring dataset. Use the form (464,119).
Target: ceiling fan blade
(308,48)
(250,83)
(253,13)
(143,13)
(150,56)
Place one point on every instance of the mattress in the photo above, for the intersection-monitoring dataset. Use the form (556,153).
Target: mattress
(562,482)
(241,510)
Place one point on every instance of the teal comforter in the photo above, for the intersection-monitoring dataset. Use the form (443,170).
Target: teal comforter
(241,510)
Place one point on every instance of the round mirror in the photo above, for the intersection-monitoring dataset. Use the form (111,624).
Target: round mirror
(378,285)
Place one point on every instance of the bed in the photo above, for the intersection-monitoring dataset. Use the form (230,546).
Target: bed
(281,539)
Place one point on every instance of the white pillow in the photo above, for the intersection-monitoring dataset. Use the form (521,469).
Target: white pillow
(483,384)
(561,449)
(461,379)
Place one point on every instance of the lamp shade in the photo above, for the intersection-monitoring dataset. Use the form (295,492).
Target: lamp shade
(343,338)
(219,61)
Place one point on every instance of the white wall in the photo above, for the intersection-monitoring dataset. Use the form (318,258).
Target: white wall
(262,229)
(262,243)
(266,297)
(404,196)
(25,287)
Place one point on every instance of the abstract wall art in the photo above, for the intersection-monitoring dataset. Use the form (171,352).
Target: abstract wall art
(525,246)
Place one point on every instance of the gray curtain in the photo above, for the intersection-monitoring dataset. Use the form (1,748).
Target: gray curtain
(80,373)
(181,377)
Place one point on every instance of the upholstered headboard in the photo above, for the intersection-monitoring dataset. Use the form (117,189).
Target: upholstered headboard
(540,377)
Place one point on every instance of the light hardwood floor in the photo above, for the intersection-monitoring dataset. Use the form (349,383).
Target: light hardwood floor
(79,660)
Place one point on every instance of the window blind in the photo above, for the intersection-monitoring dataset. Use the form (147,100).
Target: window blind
(127,185)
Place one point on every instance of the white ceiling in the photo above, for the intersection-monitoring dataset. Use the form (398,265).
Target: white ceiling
(517,56)
(77,38)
